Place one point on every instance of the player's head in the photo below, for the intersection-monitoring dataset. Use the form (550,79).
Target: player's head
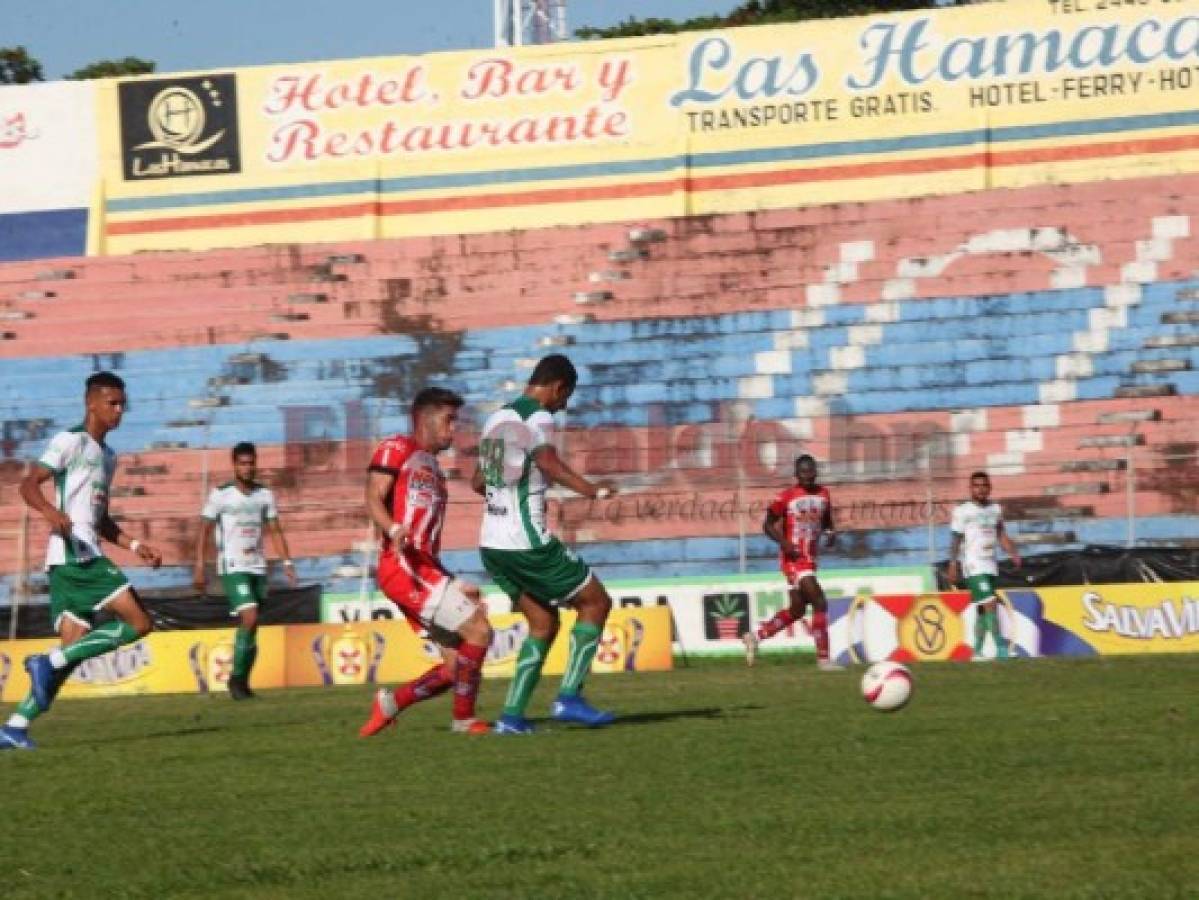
(434,416)
(980,487)
(555,378)
(104,399)
(245,461)
(805,470)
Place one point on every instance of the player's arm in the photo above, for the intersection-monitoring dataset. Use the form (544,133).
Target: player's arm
(1008,545)
(830,530)
(111,532)
(31,493)
(556,470)
(952,571)
(199,579)
(772,525)
(478,483)
(379,484)
(279,541)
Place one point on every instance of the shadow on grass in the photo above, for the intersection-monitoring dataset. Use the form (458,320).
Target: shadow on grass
(650,718)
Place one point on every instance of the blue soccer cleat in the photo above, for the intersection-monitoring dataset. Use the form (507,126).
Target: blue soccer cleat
(43,680)
(513,725)
(579,711)
(16,739)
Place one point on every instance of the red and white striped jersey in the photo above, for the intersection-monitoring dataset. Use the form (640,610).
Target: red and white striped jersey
(419,496)
(806,515)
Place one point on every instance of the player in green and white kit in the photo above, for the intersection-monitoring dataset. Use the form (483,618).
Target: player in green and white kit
(83,580)
(977,527)
(517,464)
(238,512)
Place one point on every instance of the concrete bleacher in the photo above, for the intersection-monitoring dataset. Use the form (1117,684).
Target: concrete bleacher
(1006,324)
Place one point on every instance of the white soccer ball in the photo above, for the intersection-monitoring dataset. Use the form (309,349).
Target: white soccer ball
(887,686)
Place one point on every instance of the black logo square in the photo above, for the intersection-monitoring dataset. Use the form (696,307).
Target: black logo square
(179,127)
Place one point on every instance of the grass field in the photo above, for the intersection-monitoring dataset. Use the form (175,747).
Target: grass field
(1047,778)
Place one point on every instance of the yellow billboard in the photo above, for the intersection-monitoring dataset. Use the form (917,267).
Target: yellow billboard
(869,108)
(1107,619)
(378,652)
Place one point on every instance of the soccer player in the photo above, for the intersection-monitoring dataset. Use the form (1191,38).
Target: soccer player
(977,526)
(795,520)
(406,498)
(517,463)
(83,580)
(237,512)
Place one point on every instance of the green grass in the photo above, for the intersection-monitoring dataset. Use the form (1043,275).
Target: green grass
(1048,778)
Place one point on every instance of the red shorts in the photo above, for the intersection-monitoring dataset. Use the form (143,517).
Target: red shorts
(795,569)
(411,581)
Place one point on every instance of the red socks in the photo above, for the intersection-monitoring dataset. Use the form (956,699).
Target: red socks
(466,679)
(432,683)
(781,620)
(820,634)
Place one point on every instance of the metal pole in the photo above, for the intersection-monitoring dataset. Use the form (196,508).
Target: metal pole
(1130,487)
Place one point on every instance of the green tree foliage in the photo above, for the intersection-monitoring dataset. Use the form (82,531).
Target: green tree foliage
(757,12)
(18,67)
(113,68)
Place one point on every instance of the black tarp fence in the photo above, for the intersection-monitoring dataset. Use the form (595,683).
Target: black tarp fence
(1096,565)
(176,609)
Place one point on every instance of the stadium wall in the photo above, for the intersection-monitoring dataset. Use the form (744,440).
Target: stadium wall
(1010,288)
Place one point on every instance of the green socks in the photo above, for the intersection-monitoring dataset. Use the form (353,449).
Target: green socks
(584,641)
(99,641)
(527,674)
(245,651)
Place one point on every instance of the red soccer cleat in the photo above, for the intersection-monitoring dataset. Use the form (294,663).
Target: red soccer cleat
(380,718)
(470,726)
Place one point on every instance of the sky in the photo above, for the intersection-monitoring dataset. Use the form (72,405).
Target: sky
(68,34)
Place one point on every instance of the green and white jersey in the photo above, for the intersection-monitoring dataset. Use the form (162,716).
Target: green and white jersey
(240,519)
(979,527)
(83,470)
(514,514)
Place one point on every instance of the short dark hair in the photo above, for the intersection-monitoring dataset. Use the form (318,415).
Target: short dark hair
(104,380)
(432,397)
(980,474)
(555,367)
(803,458)
(245,448)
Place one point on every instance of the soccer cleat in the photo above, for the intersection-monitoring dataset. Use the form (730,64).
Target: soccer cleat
(579,711)
(513,725)
(827,665)
(240,690)
(16,739)
(42,680)
(751,647)
(379,718)
(470,726)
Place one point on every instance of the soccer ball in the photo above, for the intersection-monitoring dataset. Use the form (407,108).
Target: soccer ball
(887,686)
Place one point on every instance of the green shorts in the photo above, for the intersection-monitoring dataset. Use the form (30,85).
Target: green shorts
(243,590)
(982,588)
(549,574)
(80,590)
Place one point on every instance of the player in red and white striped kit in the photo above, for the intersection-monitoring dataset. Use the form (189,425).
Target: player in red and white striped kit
(796,521)
(406,497)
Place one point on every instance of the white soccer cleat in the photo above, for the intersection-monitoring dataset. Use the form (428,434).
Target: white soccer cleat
(751,648)
(827,665)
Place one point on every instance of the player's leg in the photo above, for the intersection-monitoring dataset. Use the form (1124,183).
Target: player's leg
(813,595)
(455,606)
(593,604)
(245,652)
(786,616)
(389,703)
(15,733)
(83,590)
(982,593)
(242,594)
(399,586)
(543,628)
